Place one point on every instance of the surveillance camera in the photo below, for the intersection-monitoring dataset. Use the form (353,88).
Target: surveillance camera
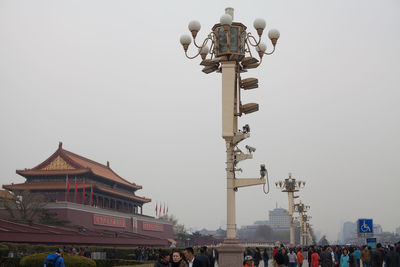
(251,149)
(262,170)
(246,128)
(262,167)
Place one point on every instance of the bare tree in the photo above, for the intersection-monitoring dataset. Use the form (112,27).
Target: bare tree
(24,205)
(180,232)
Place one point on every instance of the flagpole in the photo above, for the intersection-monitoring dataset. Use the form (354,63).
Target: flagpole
(84,191)
(67,191)
(91,194)
(66,177)
(76,190)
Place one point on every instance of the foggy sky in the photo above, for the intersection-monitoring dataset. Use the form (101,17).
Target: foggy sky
(110,80)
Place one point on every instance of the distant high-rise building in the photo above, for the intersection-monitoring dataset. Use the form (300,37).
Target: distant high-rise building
(398,231)
(378,229)
(279,219)
(349,231)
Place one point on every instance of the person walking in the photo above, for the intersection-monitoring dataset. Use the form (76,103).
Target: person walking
(281,258)
(265,257)
(257,257)
(377,256)
(248,261)
(326,257)
(344,259)
(292,258)
(300,257)
(336,254)
(352,258)
(314,259)
(365,257)
(310,251)
(215,255)
(202,259)
(358,256)
(392,259)
(274,251)
(54,260)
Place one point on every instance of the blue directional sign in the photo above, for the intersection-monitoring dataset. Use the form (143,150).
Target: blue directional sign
(365,226)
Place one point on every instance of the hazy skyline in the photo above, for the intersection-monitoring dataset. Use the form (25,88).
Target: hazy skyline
(110,80)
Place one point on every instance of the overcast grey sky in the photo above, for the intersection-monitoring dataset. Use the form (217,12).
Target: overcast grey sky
(110,80)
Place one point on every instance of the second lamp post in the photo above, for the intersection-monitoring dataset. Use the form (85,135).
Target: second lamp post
(290,185)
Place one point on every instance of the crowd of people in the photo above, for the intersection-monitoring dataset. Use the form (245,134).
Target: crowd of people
(337,256)
(316,256)
(187,258)
(326,256)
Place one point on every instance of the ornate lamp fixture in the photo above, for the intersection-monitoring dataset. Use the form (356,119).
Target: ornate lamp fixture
(229,41)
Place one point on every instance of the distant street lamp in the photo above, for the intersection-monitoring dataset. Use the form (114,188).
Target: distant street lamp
(290,185)
(308,231)
(301,209)
(227,49)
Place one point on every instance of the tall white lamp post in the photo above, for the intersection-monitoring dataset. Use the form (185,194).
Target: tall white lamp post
(301,209)
(290,185)
(228,49)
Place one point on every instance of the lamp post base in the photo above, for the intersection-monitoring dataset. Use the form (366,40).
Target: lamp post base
(230,254)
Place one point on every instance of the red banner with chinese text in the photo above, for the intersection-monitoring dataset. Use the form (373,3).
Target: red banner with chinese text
(147,226)
(109,221)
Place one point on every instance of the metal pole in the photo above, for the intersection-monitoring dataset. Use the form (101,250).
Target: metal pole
(290,194)
(301,227)
(231,253)
(305,233)
(229,127)
(230,208)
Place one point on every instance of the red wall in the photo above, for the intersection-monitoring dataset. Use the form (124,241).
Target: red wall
(85,219)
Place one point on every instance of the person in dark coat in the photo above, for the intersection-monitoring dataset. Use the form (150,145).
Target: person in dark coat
(392,258)
(326,257)
(377,256)
(189,256)
(214,256)
(265,257)
(202,259)
(352,258)
(257,257)
(281,258)
(310,251)
(177,260)
(163,259)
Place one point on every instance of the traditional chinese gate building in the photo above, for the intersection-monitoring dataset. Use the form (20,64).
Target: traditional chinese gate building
(91,195)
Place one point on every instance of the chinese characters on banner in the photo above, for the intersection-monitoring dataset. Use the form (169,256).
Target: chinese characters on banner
(147,226)
(109,221)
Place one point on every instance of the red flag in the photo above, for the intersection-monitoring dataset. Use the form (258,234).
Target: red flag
(167,209)
(76,190)
(156,209)
(164,210)
(67,185)
(83,191)
(159,210)
(91,194)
